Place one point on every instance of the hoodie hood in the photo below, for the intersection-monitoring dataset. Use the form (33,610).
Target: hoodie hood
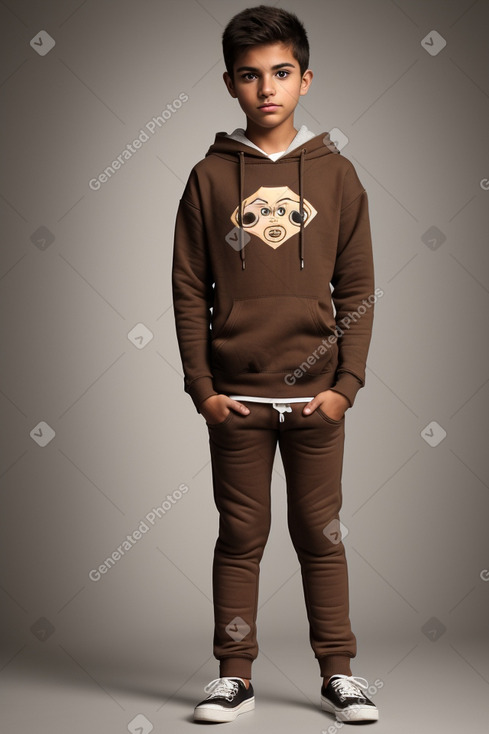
(304,147)
(228,146)
(303,136)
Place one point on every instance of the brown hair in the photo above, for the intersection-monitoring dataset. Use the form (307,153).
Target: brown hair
(260,25)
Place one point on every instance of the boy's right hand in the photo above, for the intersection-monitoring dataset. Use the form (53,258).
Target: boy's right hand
(216,408)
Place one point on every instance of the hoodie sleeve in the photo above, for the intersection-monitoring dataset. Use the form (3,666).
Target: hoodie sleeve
(353,283)
(192,296)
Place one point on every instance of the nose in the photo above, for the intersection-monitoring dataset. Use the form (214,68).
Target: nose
(266,87)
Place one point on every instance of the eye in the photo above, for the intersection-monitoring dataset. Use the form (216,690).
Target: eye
(295,216)
(284,73)
(265,211)
(248,219)
(281,211)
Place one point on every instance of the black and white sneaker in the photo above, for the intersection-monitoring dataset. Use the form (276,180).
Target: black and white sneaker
(227,698)
(343,696)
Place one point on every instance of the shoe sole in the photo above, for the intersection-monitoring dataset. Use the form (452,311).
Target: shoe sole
(219,715)
(353,713)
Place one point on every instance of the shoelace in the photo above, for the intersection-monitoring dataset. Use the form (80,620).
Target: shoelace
(348,686)
(225,687)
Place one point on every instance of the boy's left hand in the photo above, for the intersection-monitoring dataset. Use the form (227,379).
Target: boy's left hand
(332,403)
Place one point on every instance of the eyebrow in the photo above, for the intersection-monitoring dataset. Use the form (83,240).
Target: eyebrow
(264,201)
(274,68)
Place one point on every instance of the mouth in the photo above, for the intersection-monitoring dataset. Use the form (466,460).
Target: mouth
(269,107)
(274,233)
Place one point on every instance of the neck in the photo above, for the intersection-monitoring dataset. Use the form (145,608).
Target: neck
(271,140)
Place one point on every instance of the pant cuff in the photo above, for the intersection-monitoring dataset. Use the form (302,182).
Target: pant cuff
(335,665)
(238,667)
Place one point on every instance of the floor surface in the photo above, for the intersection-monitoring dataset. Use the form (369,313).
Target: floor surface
(428,687)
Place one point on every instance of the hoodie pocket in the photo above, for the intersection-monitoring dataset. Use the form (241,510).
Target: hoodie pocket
(274,334)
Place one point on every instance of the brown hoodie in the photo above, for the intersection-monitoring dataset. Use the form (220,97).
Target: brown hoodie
(253,305)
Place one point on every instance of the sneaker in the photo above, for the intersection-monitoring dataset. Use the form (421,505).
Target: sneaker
(343,696)
(227,698)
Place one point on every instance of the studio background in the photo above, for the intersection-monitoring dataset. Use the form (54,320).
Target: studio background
(97,431)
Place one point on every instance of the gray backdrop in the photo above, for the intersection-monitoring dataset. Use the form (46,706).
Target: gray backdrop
(99,442)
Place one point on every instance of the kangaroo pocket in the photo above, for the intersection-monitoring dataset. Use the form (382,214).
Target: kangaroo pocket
(274,334)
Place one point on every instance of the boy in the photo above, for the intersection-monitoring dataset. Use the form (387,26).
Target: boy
(268,220)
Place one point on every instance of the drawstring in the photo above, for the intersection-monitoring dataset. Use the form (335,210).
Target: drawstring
(241,194)
(242,249)
(301,208)
(282,408)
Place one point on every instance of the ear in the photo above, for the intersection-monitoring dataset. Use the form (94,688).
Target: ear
(234,217)
(229,84)
(306,81)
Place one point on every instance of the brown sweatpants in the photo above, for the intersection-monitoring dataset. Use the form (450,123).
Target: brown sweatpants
(242,453)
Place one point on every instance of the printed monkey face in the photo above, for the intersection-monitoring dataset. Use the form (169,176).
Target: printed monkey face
(272,214)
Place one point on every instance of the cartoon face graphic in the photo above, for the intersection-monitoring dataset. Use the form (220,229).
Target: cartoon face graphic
(273,215)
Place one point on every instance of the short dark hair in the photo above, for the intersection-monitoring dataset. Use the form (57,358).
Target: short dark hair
(260,25)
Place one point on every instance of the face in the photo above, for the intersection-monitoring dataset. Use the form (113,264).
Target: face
(272,214)
(268,83)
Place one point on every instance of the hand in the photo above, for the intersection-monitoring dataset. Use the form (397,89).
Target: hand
(215,408)
(332,403)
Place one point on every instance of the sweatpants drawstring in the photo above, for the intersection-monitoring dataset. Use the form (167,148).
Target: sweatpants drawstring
(282,408)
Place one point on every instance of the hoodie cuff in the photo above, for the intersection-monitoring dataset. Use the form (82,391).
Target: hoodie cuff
(201,389)
(347,385)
